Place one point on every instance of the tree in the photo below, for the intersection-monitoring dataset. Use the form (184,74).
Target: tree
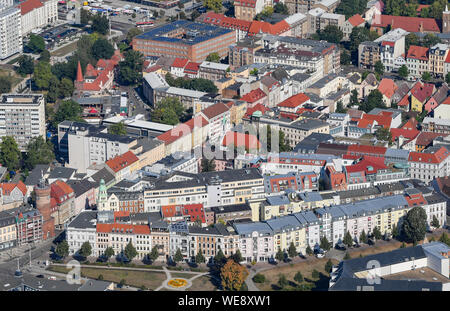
(10,154)
(100,24)
(330,33)
(133,15)
(426,76)
(347,256)
(384,134)
(68,110)
(85,250)
(292,251)
(444,238)
(379,68)
(374,100)
(66,88)
(45,56)
(102,49)
(36,44)
(281,8)
(315,274)
(122,282)
(254,72)
(282,281)
(415,224)
(435,222)
(39,151)
(237,257)
(219,258)
(340,107)
(363,237)
(5,84)
(282,145)
(279,255)
(130,251)
(100,277)
(109,252)
(215,5)
(411,39)
(298,277)
(447,78)
(351,7)
(376,233)
(168,111)
(178,256)
(26,65)
(403,72)
(309,250)
(133,32)
(430,39)
(395,232)
(130,69)
(348,240)
(328,266)
(199,258)
(346,58)
(117,129)
(154,254)
(208,165)
(62,249)
(259,278)
(354,101)
(233,275)
(43,75)
(85,16)
(182,15)
(213,57)
(403,245)
(325,244)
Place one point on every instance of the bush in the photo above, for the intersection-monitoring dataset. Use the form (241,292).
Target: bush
(315,274)
(100,277)
(259,278)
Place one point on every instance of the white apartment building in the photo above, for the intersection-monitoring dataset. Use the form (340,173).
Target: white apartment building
(86,148)
(432,163)
(37,14)
(23,117)
(392,49)
(10,30)
(436,207)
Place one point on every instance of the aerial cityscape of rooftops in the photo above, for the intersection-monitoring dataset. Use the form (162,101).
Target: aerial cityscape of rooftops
(236,145)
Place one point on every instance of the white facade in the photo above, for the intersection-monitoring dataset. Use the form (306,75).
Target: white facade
(23,117)
(10,31)
(40,16)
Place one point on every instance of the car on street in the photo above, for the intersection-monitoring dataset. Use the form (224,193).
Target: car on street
(41,276)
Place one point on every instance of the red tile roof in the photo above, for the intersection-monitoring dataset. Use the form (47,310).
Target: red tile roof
(61,191)
(180,62)
(29,5)
(425,138)
(410,24)
(356,20)
(404,101)
(121,161)
(365,150)
(294,101)
(241,139)
(368,164)
(181,130)
(122,228)
(265,27)
(215,110)
(422,92)
(408,134)
(8,187)
(387,87)
(415,200)
(436,157)
(257,107)
(245,3)
(224,21)
(418,52)
(191,68)
(446,101)
(369,119)
(253,96)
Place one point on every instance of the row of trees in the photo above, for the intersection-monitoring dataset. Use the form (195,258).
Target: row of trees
(198,84)
(38,151)
(170,111)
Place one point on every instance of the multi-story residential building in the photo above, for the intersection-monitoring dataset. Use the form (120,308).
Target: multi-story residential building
(242,52)
(62,203)
(84,194)
(208,188)
(218,117)
(212,71)
(205,240)
(83,228)
(300,6)
(12,195)
(185,39)
(10,29)
(8,235)
(436,125)
(354,21)
(392,49)
(437,55)
(29,226)
(287,230)
(430,164)
(125,201)
(247,9)
(286,162)
(223,214)
(123,165)
(256,241)
(316,56)
(37,14)
(23,117)
(436,207)
(368,54)
(417,60)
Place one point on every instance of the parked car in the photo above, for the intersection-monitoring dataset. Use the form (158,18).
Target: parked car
(320,255)
(272,261)
(341,246)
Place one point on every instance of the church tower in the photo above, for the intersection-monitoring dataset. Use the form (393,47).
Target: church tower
(446,20)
